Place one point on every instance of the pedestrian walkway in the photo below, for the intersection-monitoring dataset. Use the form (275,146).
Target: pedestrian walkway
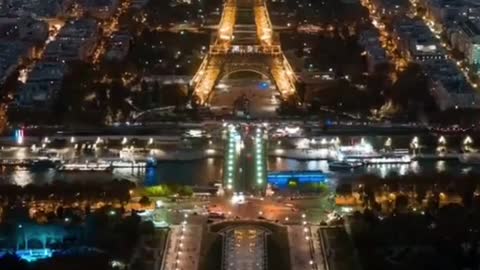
(183,248)
(244,249)
(305,250)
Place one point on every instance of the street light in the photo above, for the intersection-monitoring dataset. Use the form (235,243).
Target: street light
(337,140)
(388,143)
(467,140)
(414,144)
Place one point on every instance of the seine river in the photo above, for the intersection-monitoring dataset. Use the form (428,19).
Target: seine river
(205,171)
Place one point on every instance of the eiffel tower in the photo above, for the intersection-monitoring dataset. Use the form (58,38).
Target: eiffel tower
(245,41)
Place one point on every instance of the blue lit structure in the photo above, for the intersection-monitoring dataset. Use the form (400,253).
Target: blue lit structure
(283,177)
(18,136)
(264,86)
(31,255)
(151,162)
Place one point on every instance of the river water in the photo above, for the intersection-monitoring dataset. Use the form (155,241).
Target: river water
(204,172)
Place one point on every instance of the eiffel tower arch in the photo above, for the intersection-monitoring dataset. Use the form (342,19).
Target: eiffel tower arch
(245,41)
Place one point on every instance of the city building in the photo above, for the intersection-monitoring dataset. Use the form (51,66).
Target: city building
(77,40)
(23,28)
(33,30)
(101,9)
(375,53)
(417,42)
(391,7)
(43,85)
(465,37)
(442,11)
(445,11)
(9,28)
(138,4)
(449,86)
(12,55)
(119,47)
(38,8)
(3,7)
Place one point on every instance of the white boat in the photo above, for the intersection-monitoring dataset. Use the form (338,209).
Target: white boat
(86,167)
(389,160)
(344,165)
(469,159)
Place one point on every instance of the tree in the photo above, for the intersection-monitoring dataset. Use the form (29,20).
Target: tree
(59,212)
(288,106)
(293,184)
(411,91)
(401,202)
(467,190)
(421,191)
(344,189)
(147,227)
(301,88)
(144,201)
(12,261)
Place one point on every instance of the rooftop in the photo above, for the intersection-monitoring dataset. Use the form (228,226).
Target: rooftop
(10,53)
(50,71)
(471,27)
(446,72)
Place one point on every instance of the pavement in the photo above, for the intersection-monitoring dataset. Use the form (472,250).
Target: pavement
(244,249)
(274,209)
(306,253)
(262,101)
(183,248)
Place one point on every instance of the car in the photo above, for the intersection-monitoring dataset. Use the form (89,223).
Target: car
(216,215)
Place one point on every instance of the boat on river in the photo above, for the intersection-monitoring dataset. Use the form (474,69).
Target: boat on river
(344,165)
